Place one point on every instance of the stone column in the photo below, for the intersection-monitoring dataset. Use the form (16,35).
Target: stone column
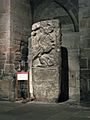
(4,47)
(15,25)
(20,21)
(84,25)
(46,60)
(71,42)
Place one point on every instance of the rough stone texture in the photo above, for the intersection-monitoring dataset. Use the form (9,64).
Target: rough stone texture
(4,32)
(84,24)
(67,12)
(4,89)
(83,63)
(4,46)
(46,60)
(20,21)
(20,27)
(70,41)
(15,25)
(74,15)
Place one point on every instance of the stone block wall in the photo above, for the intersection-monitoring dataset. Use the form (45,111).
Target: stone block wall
(4,46)
(71,42)
(84,25)
(4,33)
(20,27)
(67,12)
(15,25)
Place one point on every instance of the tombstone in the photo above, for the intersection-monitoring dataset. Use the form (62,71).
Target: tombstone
(45,57)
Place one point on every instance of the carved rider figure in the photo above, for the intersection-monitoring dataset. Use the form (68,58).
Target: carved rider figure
(46,44)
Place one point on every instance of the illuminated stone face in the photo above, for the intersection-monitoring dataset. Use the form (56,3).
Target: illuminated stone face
(46,59)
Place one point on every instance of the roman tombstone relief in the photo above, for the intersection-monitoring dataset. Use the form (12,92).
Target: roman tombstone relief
(45,59)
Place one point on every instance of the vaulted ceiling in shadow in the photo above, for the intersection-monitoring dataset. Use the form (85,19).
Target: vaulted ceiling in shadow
(65,10)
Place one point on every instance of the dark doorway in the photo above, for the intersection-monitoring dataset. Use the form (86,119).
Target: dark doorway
(64,85)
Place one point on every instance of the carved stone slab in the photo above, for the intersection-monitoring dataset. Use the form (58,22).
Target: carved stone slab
(45,45)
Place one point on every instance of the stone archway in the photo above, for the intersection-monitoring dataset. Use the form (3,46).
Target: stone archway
(48,10)
(55,9)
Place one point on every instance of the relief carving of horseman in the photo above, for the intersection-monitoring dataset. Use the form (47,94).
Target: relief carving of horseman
(45,45)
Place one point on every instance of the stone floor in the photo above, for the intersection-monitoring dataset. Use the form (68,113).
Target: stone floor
(43,111)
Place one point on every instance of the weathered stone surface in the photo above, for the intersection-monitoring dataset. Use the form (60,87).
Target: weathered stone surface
(2,56)
(20,28)
(78,49)
(73,78)
(4,45)
(84,24)
(83,88)
(4,89)
(66,28)
(4,30)
(71,40)
(17,56)
(46,59)
(85,43)
(9,68)
(76,95)
(85,53)
(85,33)
(46,84)
(83,63)
(2,64)
(84,4)
(10,57)
(85,74)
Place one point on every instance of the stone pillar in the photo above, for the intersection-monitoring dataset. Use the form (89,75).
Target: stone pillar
(20,21)
(46,60)
(15,25)
(4,33)
(4,47)
(84,25)
(71,42)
